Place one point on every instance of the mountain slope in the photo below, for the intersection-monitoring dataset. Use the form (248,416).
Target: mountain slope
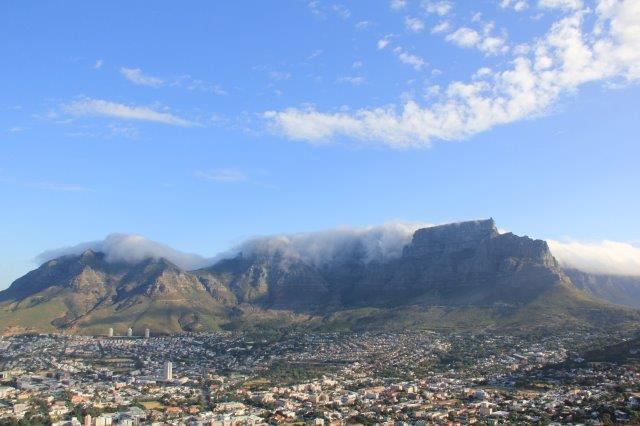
(88,293)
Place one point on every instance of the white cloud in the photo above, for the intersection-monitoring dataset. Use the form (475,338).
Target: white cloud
(98,64)
(438,7)
(485,42)
(604,257)
(413,24)
(382,43)
(573,52)
(493,45)
(129,249)
(136,76)
(464,37)
(561,4)
(99,107)
(397,4)
(441,27)
(406,58)
(517,5)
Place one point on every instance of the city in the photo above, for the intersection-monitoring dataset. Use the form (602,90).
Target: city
(318,379)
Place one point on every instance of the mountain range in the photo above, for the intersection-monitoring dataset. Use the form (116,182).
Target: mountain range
(460,276)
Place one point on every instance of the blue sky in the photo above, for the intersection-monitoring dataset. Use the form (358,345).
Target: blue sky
(200,124)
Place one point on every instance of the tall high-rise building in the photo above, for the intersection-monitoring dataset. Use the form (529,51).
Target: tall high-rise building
(129,332)
(168,371)
(110,333)
(147,332)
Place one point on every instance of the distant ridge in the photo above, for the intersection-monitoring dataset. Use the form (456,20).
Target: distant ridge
(461,276)
(621,289)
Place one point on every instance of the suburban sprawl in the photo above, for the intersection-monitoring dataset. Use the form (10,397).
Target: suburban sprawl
(318,379)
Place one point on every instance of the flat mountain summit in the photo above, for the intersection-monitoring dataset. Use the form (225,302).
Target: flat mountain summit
(460,276)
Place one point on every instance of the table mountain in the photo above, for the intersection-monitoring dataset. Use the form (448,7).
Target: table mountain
(457,276)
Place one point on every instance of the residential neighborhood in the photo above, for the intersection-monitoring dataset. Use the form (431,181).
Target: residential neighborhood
(317,379)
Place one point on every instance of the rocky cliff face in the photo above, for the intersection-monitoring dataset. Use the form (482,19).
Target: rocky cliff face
(460,264)
(275,281)
(468,263)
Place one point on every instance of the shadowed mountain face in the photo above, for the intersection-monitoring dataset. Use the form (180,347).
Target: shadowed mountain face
(624,290)
(463,275)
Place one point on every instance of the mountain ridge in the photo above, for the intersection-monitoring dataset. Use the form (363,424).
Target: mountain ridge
(462,275)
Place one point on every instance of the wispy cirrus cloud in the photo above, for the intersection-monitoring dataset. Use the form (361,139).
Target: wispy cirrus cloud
(194,84)
(222,175)
(185,81)
(236,176)
(136,76)
(99,107)
(58,187)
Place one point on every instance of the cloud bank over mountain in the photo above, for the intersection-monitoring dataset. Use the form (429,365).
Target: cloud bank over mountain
(604,257)
(370,243)
(130,249)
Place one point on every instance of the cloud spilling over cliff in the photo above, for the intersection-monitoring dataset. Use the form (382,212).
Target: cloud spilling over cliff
(603,257)
(130,249)
(370,243)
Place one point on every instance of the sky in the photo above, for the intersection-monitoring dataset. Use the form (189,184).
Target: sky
(201,124)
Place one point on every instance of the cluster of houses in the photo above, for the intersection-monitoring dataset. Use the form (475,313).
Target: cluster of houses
(318,379)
